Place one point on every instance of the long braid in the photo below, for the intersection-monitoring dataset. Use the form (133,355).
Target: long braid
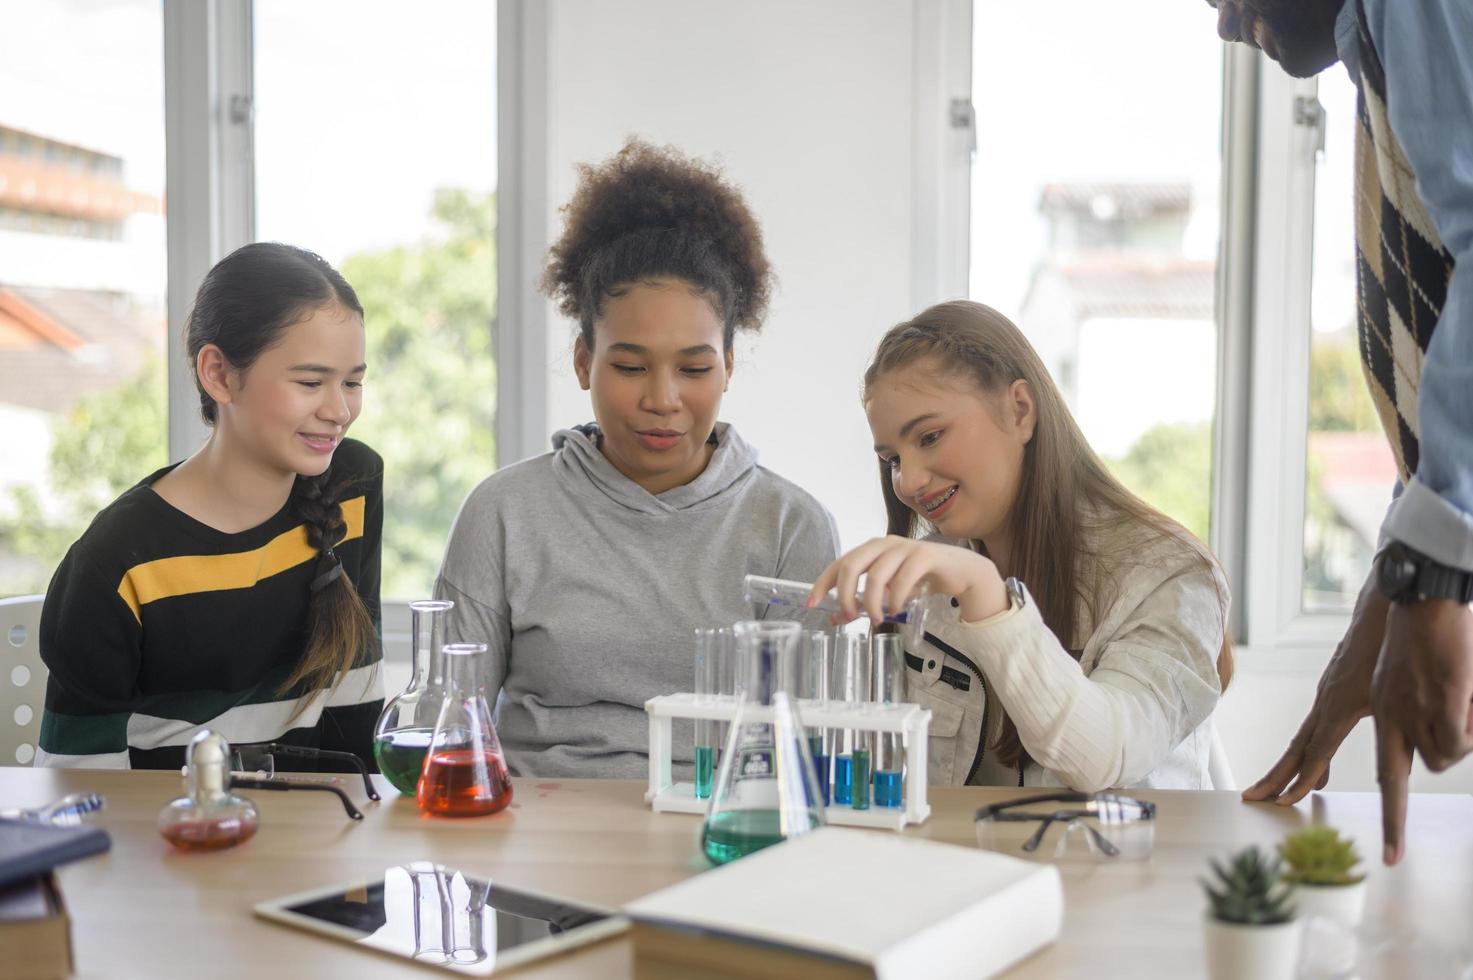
(339,628)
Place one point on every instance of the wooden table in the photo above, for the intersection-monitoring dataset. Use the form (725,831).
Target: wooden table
(145,910)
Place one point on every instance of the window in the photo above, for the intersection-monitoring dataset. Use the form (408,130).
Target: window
(1095,221)
(1350,470)
(375,137)
(82,272)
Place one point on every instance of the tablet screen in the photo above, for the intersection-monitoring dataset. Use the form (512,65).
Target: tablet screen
(440,916)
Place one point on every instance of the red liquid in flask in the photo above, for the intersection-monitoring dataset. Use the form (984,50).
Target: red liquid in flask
(464,783)
(209,835)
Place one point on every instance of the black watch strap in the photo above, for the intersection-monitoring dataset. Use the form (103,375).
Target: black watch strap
(1406,575)
(1437,581)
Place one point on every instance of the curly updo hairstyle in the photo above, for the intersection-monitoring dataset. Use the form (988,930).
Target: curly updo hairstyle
(648,213)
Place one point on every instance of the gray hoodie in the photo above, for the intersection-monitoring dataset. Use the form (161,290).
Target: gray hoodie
(586,589)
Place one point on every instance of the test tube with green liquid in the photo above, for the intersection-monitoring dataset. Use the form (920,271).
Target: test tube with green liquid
(708,685)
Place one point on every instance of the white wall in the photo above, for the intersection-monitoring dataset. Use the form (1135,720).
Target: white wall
(809,108)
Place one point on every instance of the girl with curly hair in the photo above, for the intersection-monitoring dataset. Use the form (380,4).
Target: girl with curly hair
(585,570)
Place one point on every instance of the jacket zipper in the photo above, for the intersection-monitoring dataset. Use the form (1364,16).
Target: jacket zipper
(956,654)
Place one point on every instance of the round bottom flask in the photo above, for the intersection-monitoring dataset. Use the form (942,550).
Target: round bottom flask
(210,818)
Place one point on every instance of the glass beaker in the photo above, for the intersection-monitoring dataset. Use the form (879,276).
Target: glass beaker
(402,735)
(766,790)
(465,774)
(888,653)
(815,670)
(851,685)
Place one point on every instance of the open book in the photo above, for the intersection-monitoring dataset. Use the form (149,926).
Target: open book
(852,903)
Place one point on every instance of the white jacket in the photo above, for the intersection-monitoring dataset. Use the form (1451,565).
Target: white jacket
(1133,711)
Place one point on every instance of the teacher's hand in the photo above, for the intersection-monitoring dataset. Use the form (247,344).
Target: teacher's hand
(1341,700)
(1422,698)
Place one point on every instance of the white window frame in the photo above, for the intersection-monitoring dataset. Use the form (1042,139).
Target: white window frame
(1263,315)
(944,143)
(210,178)
(1281,335)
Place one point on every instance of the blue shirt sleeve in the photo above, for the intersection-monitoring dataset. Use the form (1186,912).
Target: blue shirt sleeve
(1426,48)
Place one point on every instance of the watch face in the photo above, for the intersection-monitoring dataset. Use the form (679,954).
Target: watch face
(1396,575)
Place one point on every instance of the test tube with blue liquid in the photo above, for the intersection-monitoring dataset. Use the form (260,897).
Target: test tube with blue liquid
(708,664)
(851,685)
(813,685)
(888,652)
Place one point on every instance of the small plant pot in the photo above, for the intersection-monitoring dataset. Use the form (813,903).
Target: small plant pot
(1343,904)
(1249,952)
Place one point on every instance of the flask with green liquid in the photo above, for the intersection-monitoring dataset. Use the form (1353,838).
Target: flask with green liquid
(402,736)
(766,788)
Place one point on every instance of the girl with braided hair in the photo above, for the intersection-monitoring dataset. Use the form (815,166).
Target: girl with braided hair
(585,570)
(237,590)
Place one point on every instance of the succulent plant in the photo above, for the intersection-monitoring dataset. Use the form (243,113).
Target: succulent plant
(1250,890)
(1320,856)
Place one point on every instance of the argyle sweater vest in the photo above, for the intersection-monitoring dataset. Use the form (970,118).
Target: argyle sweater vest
(1402,267)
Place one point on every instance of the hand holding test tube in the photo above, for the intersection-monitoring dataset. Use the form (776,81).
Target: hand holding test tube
(782,592)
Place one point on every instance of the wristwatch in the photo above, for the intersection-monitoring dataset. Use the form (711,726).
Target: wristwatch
(1017,595)
(1404,575)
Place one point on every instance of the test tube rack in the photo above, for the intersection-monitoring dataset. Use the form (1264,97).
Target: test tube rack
(911,721)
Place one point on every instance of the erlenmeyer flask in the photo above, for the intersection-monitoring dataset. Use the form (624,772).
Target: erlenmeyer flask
(464,772)
(402,735)
(766,789)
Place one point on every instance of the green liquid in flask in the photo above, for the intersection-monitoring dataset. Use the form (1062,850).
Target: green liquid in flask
(737,833)
(401,756)
(705,770)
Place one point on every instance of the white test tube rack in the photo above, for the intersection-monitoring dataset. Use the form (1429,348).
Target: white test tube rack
(910,721)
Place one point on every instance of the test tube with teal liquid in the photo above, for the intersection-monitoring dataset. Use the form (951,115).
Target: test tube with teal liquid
(708,663)
(851,685)
(888,653)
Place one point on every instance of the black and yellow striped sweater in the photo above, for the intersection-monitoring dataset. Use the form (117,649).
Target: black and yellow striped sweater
(156,625)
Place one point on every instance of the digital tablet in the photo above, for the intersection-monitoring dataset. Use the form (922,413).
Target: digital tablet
(442,917)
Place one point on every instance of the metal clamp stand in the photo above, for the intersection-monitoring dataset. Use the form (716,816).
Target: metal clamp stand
(911,721)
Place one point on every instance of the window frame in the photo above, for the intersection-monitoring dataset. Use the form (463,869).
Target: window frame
(1278,434)
(1261,423)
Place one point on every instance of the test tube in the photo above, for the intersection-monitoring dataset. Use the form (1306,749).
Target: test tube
(760,589)
(813,685)
(708,685)
(730,681)
(888,653)
(852,752)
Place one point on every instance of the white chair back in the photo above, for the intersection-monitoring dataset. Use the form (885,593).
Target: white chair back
(22,679)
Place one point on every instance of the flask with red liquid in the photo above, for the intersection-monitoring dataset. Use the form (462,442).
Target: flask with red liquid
(210,818)
(464,772)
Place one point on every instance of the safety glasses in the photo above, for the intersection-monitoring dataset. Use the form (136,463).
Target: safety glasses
(1070,826)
